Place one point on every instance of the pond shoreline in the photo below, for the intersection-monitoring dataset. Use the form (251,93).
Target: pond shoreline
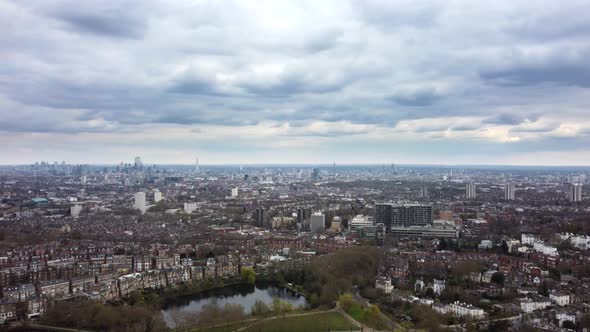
(244,295)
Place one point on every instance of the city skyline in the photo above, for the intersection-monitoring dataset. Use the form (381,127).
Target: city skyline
(294,165)
(296,82)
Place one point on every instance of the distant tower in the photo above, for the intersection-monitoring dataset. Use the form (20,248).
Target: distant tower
(139,201)
(334,171)
(509,190)
(137,162)
(424,190)
(157,196)
(575,192)
(197,170)
(470,191)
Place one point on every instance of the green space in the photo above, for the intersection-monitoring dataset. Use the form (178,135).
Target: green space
(329,321)
(223,328)
(369,315)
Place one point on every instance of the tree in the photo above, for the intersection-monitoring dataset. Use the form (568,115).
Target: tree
(281,307)
(504,247)
(464,268)
(248,275)
(498,278)
(259,308)
(346,301)
(372,315)
(568,324)
(498,326)
(429,293)
(233,312)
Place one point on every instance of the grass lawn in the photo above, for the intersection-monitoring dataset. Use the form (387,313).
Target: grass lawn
(356,311)
(226,328)
(311,323)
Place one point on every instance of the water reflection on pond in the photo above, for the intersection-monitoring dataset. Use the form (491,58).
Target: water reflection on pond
(245,295)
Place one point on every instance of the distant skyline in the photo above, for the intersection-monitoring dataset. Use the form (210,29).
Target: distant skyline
(295,82)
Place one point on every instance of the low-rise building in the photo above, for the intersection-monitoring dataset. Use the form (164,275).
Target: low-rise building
(534,303)
(384,284)
(465,310)
(560,298)
(8,309)
(54,288)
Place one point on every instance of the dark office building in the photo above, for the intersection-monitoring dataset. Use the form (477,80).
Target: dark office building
(316,174)
(303,214)
(402,215)
(259,217)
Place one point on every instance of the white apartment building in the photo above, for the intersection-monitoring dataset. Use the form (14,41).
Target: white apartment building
(529,239)
(139,201)
(462,310)
(75,210)
(578,241)
(190,207)
(538,303)
(384,284)
(438,286)
(157,196)
(360,221)
(540,246)
(561,299)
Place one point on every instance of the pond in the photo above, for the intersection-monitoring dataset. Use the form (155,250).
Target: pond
(244,295)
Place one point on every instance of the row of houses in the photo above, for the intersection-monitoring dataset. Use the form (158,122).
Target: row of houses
(30,299)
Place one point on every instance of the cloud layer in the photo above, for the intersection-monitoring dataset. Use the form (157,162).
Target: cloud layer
(295,81)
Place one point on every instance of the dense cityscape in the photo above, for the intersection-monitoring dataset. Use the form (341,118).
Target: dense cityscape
(486,248)
(294,166)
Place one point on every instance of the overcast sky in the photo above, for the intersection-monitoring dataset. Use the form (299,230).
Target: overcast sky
(441,82)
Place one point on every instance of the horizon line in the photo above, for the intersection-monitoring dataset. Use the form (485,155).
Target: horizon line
(331,164)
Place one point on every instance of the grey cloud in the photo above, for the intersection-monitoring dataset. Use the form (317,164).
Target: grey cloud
(194,87)
(523,75)
(293,85)
(465,128)
(420,98)
(390,15)
(505,119)
(551,26)
(111,23)
(163,63)
(322,42)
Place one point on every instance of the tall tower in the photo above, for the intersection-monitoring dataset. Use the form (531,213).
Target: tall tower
(509,190)
(424,190)
(334,171)
(470,191)
(575,192)
(197,170)
(139,201)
